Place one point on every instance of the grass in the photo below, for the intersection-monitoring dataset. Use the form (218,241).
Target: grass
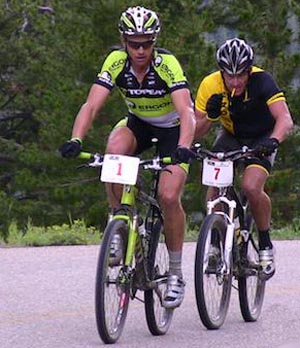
(77,233)
(292,231)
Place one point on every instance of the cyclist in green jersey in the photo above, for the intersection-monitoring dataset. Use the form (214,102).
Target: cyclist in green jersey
(253,112)
(157,95)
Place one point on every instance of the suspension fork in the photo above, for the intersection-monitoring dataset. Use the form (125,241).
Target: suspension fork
(242,210)
(230,228)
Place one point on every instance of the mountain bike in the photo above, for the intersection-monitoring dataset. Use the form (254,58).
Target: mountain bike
(227,245)
(131,258)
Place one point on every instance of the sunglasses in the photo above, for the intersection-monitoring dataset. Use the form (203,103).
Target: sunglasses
(136,45)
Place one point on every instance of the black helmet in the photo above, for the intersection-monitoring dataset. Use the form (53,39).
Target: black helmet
(139,21)
(234,56)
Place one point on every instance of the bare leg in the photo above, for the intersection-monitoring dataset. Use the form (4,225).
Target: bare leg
(121,141)
(170,191)
(253,183)
(211,194)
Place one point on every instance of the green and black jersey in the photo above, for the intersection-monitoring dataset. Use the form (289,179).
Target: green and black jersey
(248,115)
(150,100)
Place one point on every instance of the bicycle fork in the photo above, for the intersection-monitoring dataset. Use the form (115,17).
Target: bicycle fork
(230,229)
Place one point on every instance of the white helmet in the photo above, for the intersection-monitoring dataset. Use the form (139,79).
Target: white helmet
(235,56)
(139,21)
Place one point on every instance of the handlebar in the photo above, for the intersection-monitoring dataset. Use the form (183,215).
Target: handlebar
(96,160)
(86,155)
(234,155)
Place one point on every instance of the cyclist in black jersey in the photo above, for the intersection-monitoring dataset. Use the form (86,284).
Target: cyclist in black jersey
(253,112)
(157,95)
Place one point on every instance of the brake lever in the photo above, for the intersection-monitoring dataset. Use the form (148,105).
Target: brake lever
(85,165)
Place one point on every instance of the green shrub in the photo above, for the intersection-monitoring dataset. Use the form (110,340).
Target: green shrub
(77,233)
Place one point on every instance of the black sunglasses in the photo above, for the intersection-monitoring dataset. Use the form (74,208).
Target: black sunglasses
(136,45)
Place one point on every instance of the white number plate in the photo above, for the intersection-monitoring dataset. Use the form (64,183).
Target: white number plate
(217,173)
(120,169)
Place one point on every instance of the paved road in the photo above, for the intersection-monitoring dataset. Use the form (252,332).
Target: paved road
(47,300)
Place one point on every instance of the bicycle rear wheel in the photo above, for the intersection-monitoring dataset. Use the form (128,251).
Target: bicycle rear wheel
(212,286)
(112,292)
(251,287)
(158,318)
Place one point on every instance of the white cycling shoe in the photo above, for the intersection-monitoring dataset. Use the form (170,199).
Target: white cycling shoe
(266,263)
(175,292)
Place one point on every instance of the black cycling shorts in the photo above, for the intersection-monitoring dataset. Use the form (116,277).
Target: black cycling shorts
(145,132)
(227,142)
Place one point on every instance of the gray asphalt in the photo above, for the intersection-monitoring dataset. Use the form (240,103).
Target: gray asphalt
(47,300)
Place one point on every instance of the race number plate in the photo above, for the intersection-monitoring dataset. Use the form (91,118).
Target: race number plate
(217,173)
(120,169)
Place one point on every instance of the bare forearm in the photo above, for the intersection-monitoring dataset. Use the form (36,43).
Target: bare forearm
(284,122)
(282,128)
(187,128)
(89,110)
(202,128)
(202,125)
(83,121)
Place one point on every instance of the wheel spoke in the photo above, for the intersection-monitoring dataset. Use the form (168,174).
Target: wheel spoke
(251,287)
(212,285)
(158,317)
(112,283)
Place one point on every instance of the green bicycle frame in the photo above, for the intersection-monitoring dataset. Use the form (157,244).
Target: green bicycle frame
(128,199)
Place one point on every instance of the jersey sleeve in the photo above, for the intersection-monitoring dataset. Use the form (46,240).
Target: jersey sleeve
(170,70)
(202,95)
(111,67)
(269,88)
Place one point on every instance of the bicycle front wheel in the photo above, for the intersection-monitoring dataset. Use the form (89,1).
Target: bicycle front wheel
(112,287)
(212,284)
(158,318)
(251,287)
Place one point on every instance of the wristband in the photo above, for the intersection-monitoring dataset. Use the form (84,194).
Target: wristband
(77,139)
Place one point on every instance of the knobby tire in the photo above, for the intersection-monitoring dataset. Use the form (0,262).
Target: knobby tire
(112,292)
(158,318)
(211,288)
(251,287)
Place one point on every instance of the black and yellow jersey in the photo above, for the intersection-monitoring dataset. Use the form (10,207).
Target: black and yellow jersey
(150,100)
(248,115)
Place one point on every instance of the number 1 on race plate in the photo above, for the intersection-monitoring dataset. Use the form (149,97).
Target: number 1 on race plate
(217,173)
(120,169)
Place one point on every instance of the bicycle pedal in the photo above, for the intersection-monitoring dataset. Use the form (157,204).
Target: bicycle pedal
(133,295)
(248,272)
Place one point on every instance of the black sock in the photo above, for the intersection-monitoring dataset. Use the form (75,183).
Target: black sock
(264,240)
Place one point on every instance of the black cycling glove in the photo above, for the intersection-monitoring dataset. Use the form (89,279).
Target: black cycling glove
(71,148)
(213,106)
(266,146)
(183,155)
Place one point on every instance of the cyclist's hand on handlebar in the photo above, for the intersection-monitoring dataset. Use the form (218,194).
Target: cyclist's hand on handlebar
(213,106)
(266,146)
(183,155)
(71,148)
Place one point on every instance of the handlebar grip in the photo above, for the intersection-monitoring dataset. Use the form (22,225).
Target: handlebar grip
(85,155)
(167,160)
